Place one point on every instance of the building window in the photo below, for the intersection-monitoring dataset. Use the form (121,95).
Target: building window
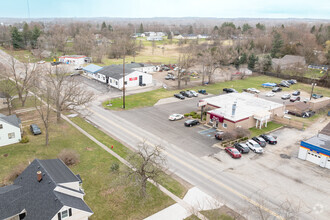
(224,125)
(125,82)
(11,135)
(64,214)
(1,126)
(110,80)
(116,83)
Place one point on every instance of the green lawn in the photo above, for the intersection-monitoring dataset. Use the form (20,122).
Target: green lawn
(106,194)
(270,126)
(310,73)
(150,98)
(157,58)
(21,55)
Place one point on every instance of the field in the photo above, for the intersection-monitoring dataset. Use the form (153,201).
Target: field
(106,193)
(150,98)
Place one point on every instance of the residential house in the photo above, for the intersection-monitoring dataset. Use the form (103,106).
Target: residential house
(135,75)
(46,189)
(10,129)
(154,38)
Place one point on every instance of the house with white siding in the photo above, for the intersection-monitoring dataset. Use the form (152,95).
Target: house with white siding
(10,130)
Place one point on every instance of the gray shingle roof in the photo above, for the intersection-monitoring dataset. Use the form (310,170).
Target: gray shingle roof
(115,71)
(11,119)
(39,198)
(92,68)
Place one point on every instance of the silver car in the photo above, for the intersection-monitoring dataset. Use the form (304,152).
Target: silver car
(254,146)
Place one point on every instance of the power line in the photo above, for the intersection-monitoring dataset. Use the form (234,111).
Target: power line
(28,7)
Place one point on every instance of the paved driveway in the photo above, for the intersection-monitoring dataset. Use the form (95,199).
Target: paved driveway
(196,140)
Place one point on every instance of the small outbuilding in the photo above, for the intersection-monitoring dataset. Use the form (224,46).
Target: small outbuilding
(91,70)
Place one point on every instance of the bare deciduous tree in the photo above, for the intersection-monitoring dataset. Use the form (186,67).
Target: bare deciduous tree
(186,61)
(7,88)
(84,42)
(148,163)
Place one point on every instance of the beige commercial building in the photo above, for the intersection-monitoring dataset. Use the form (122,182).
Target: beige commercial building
(245,110)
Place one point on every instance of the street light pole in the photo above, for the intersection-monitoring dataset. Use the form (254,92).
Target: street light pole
(124,78)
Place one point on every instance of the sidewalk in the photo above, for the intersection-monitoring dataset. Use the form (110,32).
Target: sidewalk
(197,199)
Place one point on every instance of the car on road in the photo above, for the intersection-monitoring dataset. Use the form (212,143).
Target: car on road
(219,135)
(195,94)
(175,117)
(285,96)
(253,90)
(316,96)
(229,90)
(186,94)
(260,141)
(294,98)
(233,152)
(202,91)
(242,148)
(254,146)
(277,89)
(191,122)
(269,138)
(179,96)
(35,129)
(270,94)
(296,93)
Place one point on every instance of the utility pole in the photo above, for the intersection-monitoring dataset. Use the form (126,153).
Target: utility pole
(124,77)
(313,84)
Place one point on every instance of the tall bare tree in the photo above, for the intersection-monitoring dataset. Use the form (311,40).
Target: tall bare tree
(84,42)
(7,88)
(186,61)
(148,163)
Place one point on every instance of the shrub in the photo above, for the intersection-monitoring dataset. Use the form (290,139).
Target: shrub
(69,157)
(186,115)
(193,113)
(15,173)
(25,139)
(228,135)
(194,116)
(114,167)
(242,132)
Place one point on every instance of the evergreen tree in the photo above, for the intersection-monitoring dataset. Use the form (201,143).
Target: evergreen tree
(216,28)
(34,36)
(243,58)
(228,24)
(313,29)
(110,28)
(103,26)
(276,45)
(141,30)
(16,38)
(251,45)
(26,34)
(190,31)
(267,63)
(169,35)
(246,27)
(252,61)
(261,26)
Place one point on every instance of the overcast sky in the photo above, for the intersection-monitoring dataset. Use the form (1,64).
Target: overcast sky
(166,8)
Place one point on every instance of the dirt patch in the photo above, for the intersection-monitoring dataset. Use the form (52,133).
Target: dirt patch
(223,210)
(284,156)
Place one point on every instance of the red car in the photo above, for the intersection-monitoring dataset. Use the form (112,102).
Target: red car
(233,152)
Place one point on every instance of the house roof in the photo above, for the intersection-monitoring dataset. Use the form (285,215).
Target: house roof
(247,105)
(11,119)
(92,68)
(326,130)
(115,71)
(39,198)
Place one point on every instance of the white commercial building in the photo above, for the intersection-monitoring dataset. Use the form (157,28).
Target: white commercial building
(73,59)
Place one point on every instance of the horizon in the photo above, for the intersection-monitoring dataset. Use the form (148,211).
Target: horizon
(144,9)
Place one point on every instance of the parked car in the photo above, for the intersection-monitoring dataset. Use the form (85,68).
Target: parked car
(179,96)
(35,129)
(186,94)
(292,81)
(269,138)
(41,62)
(285,96)
(175,117)
(316,96)
(191,122)
(294,98)
(229,90)
(219,135)
(296,93)
(78,68)
(55,63)
(254,146)
(190,93)
(270,94)
(284,84)
(253,90)
(242,148)
(202,91)
(195,94)
(233,152)
(308,114)
(170,76)
(277,89)
(260,141)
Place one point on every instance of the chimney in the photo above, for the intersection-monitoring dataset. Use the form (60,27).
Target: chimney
(233,109)
(39,176)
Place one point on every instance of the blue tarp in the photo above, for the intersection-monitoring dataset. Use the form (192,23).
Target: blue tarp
(269,84)
(92,68)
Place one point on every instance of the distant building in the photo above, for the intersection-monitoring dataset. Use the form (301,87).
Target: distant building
(46,189)
(317,148)
(10,129)
(288,61)
(154,38)
(73,59)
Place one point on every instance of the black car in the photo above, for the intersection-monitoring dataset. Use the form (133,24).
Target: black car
(35,129)
(191,122)
(186,94)
(229,90)
(202,91)
(260,141)
(284,84)
(55,63)
(179,96)
(277,89)
(219,135)
(269,139)
(242,148)
(296,93)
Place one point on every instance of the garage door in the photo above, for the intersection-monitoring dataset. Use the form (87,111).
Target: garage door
(313,157)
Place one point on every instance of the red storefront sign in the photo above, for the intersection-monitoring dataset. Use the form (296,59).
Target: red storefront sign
(216,117)
(133,79)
